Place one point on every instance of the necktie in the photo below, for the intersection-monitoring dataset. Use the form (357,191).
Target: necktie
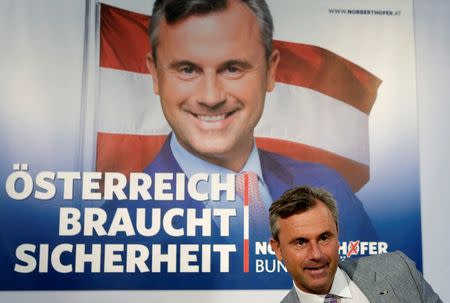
(255,214)
(247,187)
(331,299)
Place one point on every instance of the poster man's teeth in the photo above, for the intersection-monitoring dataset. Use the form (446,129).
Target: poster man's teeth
(211,118)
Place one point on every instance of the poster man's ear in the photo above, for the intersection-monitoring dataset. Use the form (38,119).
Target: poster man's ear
(272,66)
(151,65)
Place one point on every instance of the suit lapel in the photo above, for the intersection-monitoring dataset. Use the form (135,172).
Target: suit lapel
(376,288)
(277,178)
(164,161)
(291,297)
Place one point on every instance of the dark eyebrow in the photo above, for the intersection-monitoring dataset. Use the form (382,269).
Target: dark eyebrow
(326,233)
(179,64)
(241,63)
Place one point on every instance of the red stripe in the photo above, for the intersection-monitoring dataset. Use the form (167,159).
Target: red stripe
(123,39)
(356,174)
(124,44)
(126,153)
(246,255)
(319,69)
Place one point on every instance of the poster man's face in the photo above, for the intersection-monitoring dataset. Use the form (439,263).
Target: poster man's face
(308,245)
(212,75)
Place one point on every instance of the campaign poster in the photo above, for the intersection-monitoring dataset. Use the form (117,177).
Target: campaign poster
(132,209)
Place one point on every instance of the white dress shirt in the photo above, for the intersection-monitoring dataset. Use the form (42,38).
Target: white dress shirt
(342,286)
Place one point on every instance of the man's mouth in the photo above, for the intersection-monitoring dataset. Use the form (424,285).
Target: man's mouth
(317,269)
(214,118)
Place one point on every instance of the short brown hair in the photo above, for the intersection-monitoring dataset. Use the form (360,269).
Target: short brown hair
(175,10)
(298,200)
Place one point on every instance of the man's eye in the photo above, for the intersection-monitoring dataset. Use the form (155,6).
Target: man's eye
(187,69)
(232,69)
(301,243)
(187,72)
(324,238)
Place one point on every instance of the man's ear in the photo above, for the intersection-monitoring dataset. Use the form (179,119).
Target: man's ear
(272,66)
(276,248)
(151,65)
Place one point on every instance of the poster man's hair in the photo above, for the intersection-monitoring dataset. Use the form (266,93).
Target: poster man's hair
(175,10)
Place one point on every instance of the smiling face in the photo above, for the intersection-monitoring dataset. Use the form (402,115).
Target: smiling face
(212,75)
(308,245)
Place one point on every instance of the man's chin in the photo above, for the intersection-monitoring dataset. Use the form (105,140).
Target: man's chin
(213,145)
(224,151)
(213,150)
(225,158)
(320,287)
(214,154)
(209,144)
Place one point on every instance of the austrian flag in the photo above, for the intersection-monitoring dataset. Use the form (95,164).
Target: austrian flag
(318,111)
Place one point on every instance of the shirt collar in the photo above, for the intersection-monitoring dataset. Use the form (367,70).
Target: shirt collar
(191,164)
(340,287)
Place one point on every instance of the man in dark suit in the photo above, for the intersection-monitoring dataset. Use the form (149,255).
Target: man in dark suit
(304,226)
(212,63)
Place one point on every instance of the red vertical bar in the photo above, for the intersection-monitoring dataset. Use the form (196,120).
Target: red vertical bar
(246,242)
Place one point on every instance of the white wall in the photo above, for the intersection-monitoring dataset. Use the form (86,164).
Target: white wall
(433,81)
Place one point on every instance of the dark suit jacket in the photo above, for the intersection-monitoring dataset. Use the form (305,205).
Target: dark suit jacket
(281,173)
(389,278)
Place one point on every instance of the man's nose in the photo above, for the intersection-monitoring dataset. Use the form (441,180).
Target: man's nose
(213,93)
(315,251)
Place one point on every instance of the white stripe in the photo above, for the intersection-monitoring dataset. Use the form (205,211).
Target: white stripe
(246,222)
(128,105)
(306,116)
